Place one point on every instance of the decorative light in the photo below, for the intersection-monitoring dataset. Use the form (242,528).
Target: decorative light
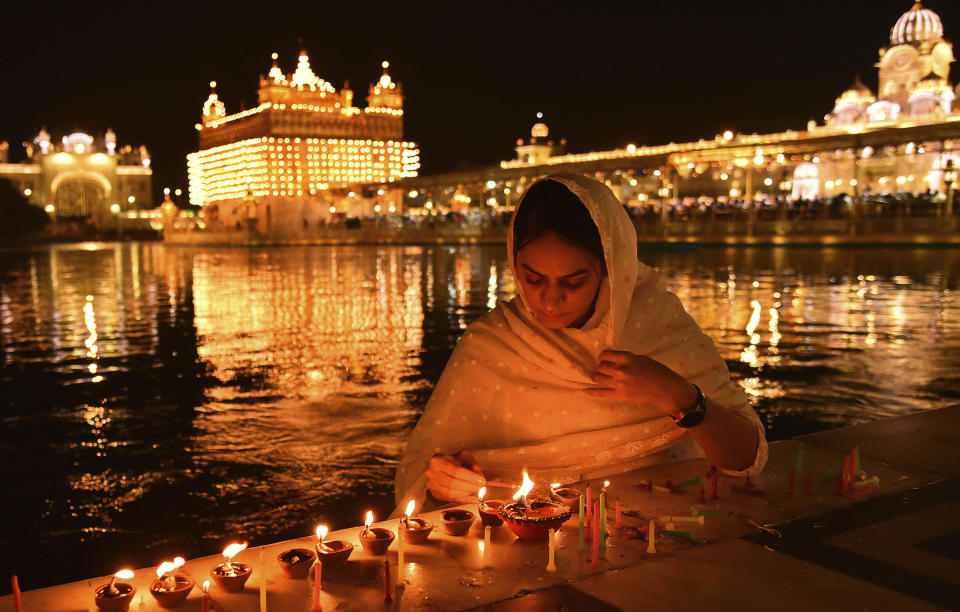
(131,199)
(28,192)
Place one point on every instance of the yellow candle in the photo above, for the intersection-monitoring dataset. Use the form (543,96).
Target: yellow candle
(401,536)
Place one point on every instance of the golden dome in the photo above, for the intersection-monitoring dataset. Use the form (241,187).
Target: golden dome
(916,25)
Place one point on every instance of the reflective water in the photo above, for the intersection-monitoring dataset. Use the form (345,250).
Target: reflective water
(159,401)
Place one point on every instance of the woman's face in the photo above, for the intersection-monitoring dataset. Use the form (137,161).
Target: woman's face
(560,281)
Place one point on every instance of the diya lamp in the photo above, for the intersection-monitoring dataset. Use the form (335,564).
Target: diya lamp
(115,596)
(532,521)
(565,495)
(232,575)
(488,509)
(415,530)
(333,553)
(375,540)
(171,590)
(457,522)
(296,562)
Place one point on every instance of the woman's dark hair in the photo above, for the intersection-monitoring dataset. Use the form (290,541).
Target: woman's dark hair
(549,206)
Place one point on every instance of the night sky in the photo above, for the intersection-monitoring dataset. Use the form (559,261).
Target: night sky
(474,74)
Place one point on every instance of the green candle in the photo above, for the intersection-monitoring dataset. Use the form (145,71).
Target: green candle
(687,483)
(582,546)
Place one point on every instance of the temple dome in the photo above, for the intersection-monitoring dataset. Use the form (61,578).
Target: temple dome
(916,25)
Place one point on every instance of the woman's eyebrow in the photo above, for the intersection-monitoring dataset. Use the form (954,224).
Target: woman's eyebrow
(571,275)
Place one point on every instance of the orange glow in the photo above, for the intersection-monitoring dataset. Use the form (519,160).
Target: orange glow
(410,507)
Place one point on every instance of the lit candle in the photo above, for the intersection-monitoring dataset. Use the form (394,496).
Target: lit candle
(205,596)
(619,522)
(401,535)
(524,490)
(321,533)
(552,550)
(229,553)
(366,523)
(602,517)
(596,536)
(589,502)
(15,586)
(480,495)
(263,584)
(651,536)
(582,546)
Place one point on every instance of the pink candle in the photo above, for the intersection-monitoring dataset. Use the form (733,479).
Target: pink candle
(205,597)
(317,568)
(619,522)
(596,536)
(15,584)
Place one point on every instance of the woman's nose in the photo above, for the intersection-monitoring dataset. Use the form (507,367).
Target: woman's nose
(552,298)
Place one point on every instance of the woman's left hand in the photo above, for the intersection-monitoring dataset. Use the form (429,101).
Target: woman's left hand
(640,380)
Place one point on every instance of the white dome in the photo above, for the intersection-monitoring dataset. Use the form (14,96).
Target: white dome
(916,25)
(539,130)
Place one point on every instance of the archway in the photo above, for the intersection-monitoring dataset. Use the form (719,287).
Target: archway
(79,199)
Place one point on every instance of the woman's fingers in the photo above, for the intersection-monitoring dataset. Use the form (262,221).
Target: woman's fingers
(618,357)
(448,480)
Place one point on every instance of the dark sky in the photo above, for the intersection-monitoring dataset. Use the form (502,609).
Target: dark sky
(604,74)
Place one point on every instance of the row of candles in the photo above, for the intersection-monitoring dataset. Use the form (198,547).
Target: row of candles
(535,520)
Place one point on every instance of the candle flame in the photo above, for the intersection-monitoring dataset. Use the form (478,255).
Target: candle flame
(206,586)
(177,562)
(369,519)
(481,493)
(165,568)
(554,486)
(322,532)
(525,488)
(410,508)
(124,574)
(606,483)
(230,551)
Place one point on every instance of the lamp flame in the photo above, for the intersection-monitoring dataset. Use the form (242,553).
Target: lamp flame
(206,586)
(322,532)
(554,486)
(410,507)
(369,519)
(481,493)
(231,551)
(606,483)
(525,488)
(124,574)
(165,568)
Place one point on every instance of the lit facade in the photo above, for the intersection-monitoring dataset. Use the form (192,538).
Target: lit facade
(300,148)
(898,140)
(81,178)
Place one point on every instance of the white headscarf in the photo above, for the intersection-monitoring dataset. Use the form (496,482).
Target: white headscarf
(512,391)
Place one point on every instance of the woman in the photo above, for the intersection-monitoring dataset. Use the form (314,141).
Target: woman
(593,369)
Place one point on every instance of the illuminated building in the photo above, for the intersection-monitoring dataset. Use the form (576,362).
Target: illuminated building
(299,150)
(898,141)
(81,178)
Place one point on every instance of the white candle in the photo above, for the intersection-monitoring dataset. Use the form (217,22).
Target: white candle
(552,550)
(401,536)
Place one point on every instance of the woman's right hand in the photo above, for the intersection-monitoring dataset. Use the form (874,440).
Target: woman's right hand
(454,477)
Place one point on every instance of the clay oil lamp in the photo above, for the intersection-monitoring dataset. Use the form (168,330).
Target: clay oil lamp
(375,540)
(232,575)
(415,530)
(488,510)
(565,495)
(170,590)
(333,553)
(457,522)
(296,562)
(533,520)
(115,596)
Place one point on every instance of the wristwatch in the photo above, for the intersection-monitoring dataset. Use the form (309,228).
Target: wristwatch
(693,416)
